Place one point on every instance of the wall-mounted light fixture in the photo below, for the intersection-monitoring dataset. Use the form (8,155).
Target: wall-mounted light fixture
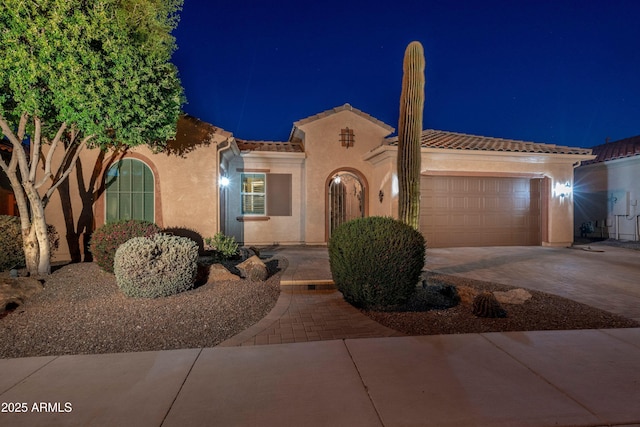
(562,190)
(380,196)
(224,181)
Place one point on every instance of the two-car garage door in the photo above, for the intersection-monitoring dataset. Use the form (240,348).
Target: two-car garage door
(480,211)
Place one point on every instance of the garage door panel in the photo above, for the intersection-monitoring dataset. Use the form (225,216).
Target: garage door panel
(480,211)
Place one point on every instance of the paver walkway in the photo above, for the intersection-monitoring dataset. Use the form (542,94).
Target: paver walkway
(606,279)
(310,315)
(309,307)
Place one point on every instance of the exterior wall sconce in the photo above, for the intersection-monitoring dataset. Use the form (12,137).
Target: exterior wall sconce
(224,181)
(380,196)
(562,190)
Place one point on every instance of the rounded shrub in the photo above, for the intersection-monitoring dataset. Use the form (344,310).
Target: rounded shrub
(12,253)
(376,262)
(106,239)
(156,266)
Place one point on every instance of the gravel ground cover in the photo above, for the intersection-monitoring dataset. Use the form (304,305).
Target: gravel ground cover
(82,311)
(541,312)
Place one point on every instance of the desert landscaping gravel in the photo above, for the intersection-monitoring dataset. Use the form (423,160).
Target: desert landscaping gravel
(82,311)
(541,312)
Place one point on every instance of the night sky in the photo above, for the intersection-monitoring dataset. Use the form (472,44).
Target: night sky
(561,72)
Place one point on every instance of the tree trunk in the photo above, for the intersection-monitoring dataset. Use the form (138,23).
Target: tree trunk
(37,250)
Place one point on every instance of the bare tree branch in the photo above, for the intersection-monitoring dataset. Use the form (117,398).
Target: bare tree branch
(52,150)
(35,149)
(66,170)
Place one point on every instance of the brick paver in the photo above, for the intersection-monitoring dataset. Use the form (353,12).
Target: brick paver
(310,315)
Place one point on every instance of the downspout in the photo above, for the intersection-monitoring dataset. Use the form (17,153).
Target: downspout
(226,145)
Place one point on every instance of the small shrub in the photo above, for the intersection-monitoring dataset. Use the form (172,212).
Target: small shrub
(156,266)
(226,246)
(12,253)
(106,239)
(376,262)
(486,305)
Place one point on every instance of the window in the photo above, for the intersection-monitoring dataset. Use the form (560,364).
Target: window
(253,193)
(130,191)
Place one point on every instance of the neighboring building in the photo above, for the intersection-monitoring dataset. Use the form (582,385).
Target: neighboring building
(337,165)
(607,192)
(7,200)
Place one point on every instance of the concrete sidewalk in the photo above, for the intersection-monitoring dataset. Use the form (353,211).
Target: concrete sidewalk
(578,378)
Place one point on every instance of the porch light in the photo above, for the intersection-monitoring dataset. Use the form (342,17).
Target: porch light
(562,190)
(224,181)
(337,179)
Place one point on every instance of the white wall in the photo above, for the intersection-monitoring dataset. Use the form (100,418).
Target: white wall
(607,195)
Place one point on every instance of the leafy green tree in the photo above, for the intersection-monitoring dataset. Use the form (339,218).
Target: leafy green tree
(76,73)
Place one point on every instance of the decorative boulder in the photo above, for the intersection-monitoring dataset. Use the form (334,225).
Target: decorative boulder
(253,269)
(514,296)
(218,273)
(14,292)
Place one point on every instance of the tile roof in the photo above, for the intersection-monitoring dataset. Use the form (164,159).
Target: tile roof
(460,141)
(192,129)
(344,107)
(273,146)
(628,147)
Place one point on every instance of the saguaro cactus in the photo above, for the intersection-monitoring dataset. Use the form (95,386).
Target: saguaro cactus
(409,132)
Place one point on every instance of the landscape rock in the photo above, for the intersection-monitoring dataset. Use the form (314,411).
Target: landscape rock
(253,269)
(218,273)
(514,296)
(15,291)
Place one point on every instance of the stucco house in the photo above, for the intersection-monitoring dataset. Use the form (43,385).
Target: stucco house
(336,165)
(7,200)
(607,192)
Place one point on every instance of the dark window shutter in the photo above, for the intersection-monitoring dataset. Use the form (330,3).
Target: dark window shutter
(279,194)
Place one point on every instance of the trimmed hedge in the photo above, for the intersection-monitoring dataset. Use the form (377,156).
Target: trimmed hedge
(12,252)
(106,239)
(156,266)
(376,262)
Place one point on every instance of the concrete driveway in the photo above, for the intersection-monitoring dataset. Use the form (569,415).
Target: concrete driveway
(605,277)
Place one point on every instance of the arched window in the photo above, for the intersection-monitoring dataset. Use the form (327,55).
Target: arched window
(130,191)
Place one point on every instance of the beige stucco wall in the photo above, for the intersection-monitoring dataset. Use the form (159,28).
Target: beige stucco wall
(186,191)
(272,229)
(558,168)
(326,156)
(608,194)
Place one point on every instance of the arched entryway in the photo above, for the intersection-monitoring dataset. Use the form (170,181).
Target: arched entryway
(346,198)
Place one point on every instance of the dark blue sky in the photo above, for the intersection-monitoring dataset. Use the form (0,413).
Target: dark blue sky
(554,71)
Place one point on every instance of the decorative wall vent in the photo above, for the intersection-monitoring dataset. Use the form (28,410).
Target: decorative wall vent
(347,137)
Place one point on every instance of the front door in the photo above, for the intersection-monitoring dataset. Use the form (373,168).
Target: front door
(346,199)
